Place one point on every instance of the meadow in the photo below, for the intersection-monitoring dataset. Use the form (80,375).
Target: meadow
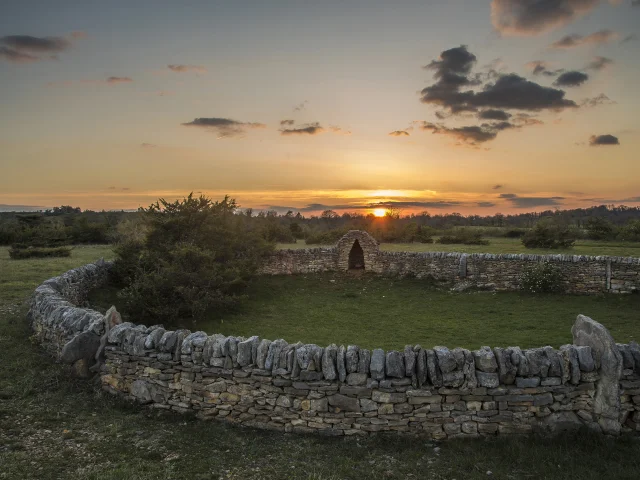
(55,426)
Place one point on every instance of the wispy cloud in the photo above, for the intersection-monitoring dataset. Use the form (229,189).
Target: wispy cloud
(307,129)
(599,63)
(27,48)
(187,68)
(574,40)
(530,202)
(399,133)
(224,127)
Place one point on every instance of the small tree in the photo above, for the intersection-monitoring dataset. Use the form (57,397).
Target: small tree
(599,229)
(549,234)
(192,256)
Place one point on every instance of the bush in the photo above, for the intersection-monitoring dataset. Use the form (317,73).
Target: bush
(631,231)
(463,237)
(600,229)
(543,278)
(19,252)
(193,256)
(549,234)
(328,237)
(514,233)
(83,231)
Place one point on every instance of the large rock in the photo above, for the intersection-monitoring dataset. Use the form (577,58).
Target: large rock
(506,369)
(395,364)
(329,370)
(81,347)
(487,379)
(435,376)
(340,363)
(606,403)
(344,403)
(364,360)
(485,360)
(538,362)
(520,361)
(585,359)
(244,350)
(421,367)
(262,352)
(571,367)
(140,390)
(446,360)
(377,364)
(351,358)
(409,360)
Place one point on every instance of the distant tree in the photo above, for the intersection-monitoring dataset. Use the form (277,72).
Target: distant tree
(549,233)
(599,229)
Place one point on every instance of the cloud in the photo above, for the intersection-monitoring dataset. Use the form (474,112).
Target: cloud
(339,130)
(117,80)
(533,17)
(27,48)
(635,3)
(530,202)
(572,78)
(497,186)
(287,122)
(599,63)
(540,67)
(148,145)
(307,129)
(575,40)
(485,204)
(509,91)
(187,68)
(492,114)
(224,127)
(601,99)
(597,140)
(632,37)
(399,133)
(301,106)
(471,134)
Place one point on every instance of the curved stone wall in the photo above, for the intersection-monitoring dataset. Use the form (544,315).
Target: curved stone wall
(581,273)
(338,390)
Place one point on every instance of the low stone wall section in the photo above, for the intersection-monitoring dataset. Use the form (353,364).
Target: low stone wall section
(345,390)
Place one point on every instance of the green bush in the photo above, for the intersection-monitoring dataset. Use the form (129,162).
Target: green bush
(543,278)
(600,229)
(631,231)
(550,234)
(463,237)
(20,252)
(192,256)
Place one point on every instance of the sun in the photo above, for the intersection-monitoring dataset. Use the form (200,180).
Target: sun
(379,212)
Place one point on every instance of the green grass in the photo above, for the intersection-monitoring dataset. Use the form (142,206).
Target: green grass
(108,439)
(505,245)
(380,312)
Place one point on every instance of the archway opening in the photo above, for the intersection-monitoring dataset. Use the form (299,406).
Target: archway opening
(356,257)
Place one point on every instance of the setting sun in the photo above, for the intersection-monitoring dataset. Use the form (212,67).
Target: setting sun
(379,212)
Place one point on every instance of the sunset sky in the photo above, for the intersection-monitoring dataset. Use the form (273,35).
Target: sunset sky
(468,106)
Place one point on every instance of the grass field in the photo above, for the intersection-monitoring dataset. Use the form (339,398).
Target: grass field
(55,427)
(380,312)
(505,245)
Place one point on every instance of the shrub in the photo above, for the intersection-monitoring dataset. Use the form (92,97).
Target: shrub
(20,252)
(83,231)
(549,234)
(543,278)
(195,256)
(631,231)
(328,237)
(514,233)
(600,229)
(463,237)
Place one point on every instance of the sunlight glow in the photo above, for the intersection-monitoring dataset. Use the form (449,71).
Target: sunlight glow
(379,212)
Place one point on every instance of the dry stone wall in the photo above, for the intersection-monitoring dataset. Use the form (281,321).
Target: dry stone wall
(336,390)
(582,274)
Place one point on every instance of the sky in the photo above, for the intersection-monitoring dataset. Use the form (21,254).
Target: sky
(445,106)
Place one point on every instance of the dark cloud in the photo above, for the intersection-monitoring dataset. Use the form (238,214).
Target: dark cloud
(308,129)
(601,99)
(532,17)
(497,187)
(540,67)
(509,91)
(399,133)
(287,122)
(530,202)
(187,68)
(27,48)
(572,78)
(599,63)
(635,3)
(526,120)
(485,204)
(575,40)
(117,80)
(629,38)
(597,140)
(492,114)
(225,127)
(470,135)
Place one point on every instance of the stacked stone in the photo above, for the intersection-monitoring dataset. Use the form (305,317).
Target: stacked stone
(341,390)
(54,316)
(630,387)
(297,261)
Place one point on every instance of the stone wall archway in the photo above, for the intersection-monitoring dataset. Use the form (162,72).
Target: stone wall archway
(349,255)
